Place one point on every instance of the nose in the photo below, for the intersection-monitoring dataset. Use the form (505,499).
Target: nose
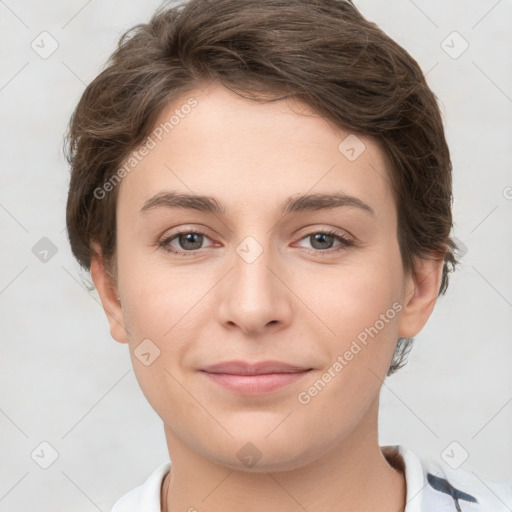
(255,294)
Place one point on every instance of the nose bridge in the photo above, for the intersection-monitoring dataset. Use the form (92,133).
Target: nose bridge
(252,276)
(253,295)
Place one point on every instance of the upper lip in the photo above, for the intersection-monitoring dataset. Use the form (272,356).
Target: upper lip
(259,368)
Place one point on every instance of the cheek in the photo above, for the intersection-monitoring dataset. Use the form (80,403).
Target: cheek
(151,298)
(363,317)
(164,324)
(163,302)
(358,296)
(164,310)
(362,311)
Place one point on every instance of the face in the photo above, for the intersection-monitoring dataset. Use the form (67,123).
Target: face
(261,274)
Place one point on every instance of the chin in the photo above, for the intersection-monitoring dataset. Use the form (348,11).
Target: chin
(263,453)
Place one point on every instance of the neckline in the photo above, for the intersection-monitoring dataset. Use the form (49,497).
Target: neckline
(163,491)
(394,457)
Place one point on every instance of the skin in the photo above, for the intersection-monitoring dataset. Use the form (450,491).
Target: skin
(291,304)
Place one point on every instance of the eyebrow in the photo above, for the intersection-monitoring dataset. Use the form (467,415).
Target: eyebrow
(294,204)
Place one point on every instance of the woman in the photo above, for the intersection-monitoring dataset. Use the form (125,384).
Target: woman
(262,193)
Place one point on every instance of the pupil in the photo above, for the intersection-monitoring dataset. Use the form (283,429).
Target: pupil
(189,238)
(321,238)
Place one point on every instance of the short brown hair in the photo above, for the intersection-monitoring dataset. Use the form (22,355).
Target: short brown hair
(322,52)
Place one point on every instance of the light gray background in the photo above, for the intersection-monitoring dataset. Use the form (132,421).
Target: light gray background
(63,380)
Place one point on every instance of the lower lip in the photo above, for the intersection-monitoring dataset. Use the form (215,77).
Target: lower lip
(255,384)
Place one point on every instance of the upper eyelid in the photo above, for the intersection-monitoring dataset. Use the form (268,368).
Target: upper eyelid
(205,231)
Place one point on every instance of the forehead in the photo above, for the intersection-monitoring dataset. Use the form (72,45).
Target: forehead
(216,143)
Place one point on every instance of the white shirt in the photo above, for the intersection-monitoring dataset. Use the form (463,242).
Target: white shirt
(431,487)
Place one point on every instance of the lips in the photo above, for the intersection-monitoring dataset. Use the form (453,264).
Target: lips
(254,379)
(259,368)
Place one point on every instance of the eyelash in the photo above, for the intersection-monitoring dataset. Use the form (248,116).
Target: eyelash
(346,242)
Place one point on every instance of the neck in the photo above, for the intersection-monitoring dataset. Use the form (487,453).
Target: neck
(352,475)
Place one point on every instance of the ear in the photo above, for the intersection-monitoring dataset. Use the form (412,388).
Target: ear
(107,291)
(421,292)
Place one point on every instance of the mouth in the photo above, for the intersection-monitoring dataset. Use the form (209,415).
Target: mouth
(254,378)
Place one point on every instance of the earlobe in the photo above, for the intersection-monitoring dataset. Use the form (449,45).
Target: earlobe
(420,297)
(107,290)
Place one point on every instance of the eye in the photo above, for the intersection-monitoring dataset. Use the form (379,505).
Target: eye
(322,241)
(190,242)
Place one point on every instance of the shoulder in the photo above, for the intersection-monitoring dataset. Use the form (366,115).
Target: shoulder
(146,496)
(434,486)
